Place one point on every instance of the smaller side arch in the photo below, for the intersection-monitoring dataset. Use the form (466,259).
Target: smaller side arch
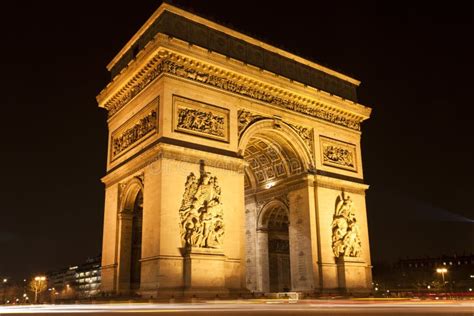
(273,248)
(129,239)
(129,194)
(266,212)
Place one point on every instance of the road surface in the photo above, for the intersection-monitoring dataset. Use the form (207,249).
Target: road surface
(274,307)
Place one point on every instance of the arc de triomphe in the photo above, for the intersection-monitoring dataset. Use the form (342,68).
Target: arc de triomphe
(233,167)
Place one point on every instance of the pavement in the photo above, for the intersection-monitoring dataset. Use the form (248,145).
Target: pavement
(405,307)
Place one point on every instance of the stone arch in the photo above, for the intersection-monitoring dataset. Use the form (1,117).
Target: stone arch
(130,236)
(265,214)
(282,134)
(273,250)
(129,194)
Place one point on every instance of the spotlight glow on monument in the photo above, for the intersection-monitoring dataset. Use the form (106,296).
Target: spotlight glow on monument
(225,179)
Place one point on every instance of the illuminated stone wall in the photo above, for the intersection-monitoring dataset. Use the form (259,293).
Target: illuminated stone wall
(213,144)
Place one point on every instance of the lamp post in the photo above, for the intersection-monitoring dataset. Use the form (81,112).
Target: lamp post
(38,286)
(442,271)
(4,283)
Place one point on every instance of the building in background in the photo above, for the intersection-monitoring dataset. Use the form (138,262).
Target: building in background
(427,274)
(77,281)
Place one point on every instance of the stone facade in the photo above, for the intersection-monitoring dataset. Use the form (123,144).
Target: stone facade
(225,178)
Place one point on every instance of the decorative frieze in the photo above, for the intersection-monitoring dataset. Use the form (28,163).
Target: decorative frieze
(201,213)
(260,94)
(168,63)
(135,85)
(338,154)
(345,231)
(201,119)
(135,130)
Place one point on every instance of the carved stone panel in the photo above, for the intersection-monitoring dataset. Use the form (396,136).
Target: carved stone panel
(305,133)
(135,130)
(201,213)
(338,154)
(245,118)
(200,119)
(345,230)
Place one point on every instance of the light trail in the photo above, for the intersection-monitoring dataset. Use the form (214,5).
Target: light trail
(234,307)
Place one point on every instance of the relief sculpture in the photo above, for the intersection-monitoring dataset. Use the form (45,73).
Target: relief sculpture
(201,212)
(345,231)
(131,135)
(200,121)
(338,155)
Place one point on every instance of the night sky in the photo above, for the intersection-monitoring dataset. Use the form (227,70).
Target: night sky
(414,61)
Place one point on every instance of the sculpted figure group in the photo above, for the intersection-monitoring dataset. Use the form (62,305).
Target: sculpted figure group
(133,134)
(345,232)
(338,155)
(201,212)
(204,122)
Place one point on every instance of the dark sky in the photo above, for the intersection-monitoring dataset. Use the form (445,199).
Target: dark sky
(414,61)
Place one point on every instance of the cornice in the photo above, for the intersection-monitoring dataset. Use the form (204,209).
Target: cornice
(170,8)
(165,60)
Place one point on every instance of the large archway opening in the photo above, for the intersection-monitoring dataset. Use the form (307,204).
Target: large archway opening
(276,158)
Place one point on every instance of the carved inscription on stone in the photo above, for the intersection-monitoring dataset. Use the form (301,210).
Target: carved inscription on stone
(201,119)
(201,212)
(345,231)
(136,129)
(338,154)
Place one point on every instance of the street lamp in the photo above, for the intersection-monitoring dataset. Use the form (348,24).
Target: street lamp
(442,271)
(38,286)
(4,288)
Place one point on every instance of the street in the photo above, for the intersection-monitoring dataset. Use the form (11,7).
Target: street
(269,307)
